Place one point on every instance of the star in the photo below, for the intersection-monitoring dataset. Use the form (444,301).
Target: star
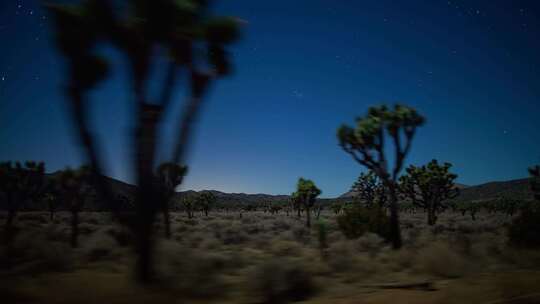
(298,94)
(3,78)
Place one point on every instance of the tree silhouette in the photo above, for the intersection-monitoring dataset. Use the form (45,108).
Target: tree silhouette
(428,187)
(170,176)
(366,144)
(19,183)
(206,200)
(75,188)
(179,31)
(535,181)
(306,193)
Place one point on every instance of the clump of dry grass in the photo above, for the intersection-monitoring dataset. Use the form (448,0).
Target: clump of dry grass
(440,259)
(281,281)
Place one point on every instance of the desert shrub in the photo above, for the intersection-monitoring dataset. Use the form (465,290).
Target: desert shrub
(32,254)
(523,232)
(355,220)
(86,228)
(121,235)
(439,259)
(371,243)
(301,234)
(194,273)
(285,248)
(100,246)
(281,281)
(232,235)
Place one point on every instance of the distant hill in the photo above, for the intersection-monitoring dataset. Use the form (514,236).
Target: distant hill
(518,189)
(515,188)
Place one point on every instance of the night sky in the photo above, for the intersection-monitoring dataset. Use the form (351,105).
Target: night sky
(303,68)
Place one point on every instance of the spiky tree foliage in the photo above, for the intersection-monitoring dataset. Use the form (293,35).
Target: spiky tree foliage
(178,32)
(428,187)
(366,145)
(306,193)
(75,187)
(169,176)
(205,201)
(19,182)
(369,189)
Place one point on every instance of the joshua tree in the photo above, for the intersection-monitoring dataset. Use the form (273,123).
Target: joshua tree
(369,189)
(296,202)
(188,203)
(366,144)
(535,181)
(75,188)
(428,187)
(206,200)
(178,32)
(19,183)
(307,193)
(169,176)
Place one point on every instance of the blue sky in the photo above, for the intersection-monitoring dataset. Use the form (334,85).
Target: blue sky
(302,69)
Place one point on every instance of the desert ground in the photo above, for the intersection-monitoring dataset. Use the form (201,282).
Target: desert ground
(265,258)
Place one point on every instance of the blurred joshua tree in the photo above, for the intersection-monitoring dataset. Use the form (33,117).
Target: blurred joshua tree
(306,193)
(51,198)
(75,187)
(206,200)
(18,184)
(428,187)
(369,189)
(535,181)
(366,144)
(170,176)
(180,32)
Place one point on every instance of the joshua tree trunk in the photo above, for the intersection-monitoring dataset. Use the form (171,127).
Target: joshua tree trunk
(319,212)
(206,212)
(74,228)
(308,217)
(51,215)
(167,222)
(395,231)
(432,216)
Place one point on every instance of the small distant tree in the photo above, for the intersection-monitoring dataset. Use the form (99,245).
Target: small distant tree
(429,187)
(170,176)
(19,183)
(189,205)
(206,201)
(366,143)
(307,194)
(369,189)
(336,207)
(76,188)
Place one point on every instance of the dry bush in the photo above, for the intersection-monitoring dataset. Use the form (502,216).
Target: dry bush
(440,259)
(233,235)
(281,281)
(285,248)
(33,253)
(101,246)
(194,273)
